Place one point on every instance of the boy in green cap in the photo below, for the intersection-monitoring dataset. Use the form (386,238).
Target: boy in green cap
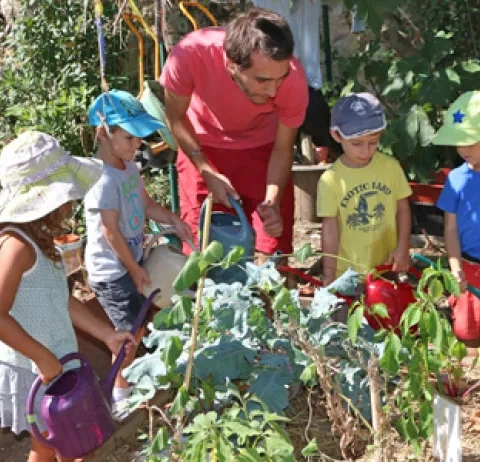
(460,200)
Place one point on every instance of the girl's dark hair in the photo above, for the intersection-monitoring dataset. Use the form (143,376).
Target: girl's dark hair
(45,229)
(258,30)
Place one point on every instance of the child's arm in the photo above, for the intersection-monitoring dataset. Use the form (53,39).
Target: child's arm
(17,257)
(330,243)
(400,257)
(452,244)
(84,320)
(119,245)
(162,215)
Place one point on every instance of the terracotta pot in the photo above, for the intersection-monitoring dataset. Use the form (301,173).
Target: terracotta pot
(66,239)
(429,193)
(70,248)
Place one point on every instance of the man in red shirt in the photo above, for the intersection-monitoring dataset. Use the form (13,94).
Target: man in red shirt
(234,99)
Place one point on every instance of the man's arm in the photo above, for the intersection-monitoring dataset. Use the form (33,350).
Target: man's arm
(278,173)
(280,165)
(176,107)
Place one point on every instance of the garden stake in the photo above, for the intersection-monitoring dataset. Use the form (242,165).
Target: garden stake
(101,43)
(378,419)
(196,316)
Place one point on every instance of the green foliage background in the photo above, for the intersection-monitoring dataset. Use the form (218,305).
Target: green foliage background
(440,61)
(51,72)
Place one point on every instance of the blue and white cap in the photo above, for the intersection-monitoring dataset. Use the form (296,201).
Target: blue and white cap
(357,114)
(122,109)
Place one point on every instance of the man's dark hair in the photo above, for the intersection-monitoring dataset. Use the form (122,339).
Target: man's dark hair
(258,30)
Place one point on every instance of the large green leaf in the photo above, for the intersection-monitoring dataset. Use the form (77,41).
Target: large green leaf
(438,88)
(436,47)
(189,274)
(149,364)
(279,449)
(469,72)
(213,253)
(228,360)
(270,385)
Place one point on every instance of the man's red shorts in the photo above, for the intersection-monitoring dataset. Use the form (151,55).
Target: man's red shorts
(247,171)
(466,307)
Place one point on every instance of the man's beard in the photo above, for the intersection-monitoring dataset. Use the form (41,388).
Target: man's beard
(252,97)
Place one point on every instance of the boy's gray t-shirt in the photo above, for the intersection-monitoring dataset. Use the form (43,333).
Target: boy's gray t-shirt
(116,190)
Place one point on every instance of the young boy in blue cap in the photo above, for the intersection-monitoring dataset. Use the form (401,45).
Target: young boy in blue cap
(116,209)
(362,198)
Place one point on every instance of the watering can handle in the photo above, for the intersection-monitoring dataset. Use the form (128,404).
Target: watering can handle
(472,289)
(236,206)
(384,268)
(107,383)
(31,419)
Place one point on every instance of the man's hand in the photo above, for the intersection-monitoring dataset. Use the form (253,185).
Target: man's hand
(220,187)
(269,213)
(399,259)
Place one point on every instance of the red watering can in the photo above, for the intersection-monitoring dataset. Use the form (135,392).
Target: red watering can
(76,406)
(396,296)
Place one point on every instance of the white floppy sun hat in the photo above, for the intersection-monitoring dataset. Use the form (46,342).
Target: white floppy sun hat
(37,176)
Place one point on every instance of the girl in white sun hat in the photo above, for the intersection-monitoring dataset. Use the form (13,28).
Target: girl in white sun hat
(39,182)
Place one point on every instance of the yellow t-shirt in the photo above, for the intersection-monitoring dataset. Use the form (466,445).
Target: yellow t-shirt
(365,202)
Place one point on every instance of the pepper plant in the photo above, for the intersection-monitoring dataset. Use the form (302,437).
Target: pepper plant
(422,359)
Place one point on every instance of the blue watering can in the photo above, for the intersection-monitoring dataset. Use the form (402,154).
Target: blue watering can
(230,230)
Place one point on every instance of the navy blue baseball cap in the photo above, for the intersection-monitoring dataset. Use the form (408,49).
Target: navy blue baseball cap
(357,114)
(120,108)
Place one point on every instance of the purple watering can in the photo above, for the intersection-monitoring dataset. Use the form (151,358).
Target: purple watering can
(76,406)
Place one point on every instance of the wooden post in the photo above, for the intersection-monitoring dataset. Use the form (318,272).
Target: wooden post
(305,179)
(380,452)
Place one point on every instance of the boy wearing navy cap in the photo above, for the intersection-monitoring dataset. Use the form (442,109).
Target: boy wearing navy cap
(363,197)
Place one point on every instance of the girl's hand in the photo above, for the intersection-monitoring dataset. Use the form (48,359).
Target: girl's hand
(115,340)
(49,367)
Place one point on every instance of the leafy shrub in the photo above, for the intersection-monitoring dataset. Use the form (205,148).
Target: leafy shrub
(51,72)
(416,75)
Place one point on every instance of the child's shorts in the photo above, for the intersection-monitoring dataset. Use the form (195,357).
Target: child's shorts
(466,308)
(120,300)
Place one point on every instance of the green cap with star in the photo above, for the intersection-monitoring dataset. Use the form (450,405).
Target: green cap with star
(461,123)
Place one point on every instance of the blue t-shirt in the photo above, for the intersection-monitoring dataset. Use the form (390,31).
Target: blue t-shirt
(461,196)
(119,190)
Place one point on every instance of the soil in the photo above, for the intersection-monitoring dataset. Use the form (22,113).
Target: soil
(305,410)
